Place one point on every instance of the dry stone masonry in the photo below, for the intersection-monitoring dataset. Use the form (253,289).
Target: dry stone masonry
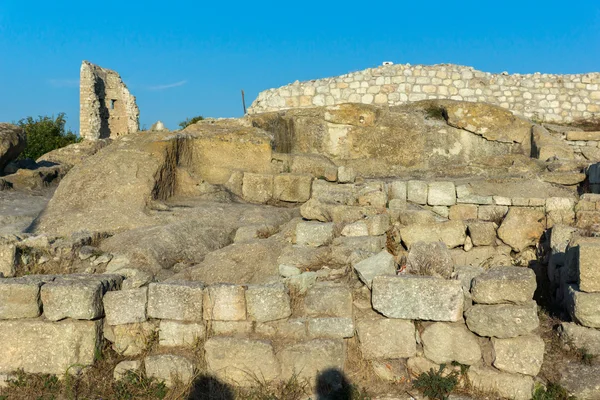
(543,97)
(106,108)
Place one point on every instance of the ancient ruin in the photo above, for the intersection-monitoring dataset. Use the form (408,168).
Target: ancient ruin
(363,243)
(106,108)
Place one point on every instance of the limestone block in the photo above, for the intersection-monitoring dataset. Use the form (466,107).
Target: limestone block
(314,233)
(330,328)
(316,210)
(267,302)
(491,213)
(134,278)
(384,338)
(77,299)
(522,227)
(305,360)
(580,380)
(124,367)
(356,229)
(292,187)
(521,355)
(257,188)
(333,193)
(293,329)
(444,343)
(559,204)
(132,339)
(231,328)
(301,283)
(41,347)
(20,298)
(378,224)
(325,300)
(417,192)
(502,320)
(452,233)
(504,285)
(346,174)
(287,271)
(8,260)
(252,232)
(581,337)
(589,266)
(397,191)
(241,361)
(441,194)
(482,233)
(177,333)
(381,264)
(511,386)
(373,194)
(180,301)
(225,303)
(431,259)
(169,368)
(462,212)
(126,306)
(583,307)
(418,297)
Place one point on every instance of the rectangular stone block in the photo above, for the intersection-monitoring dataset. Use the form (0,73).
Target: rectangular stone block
(417,192)
(77,299)
(169,368)
(292,187)
(511,386)
(462,212)
(41,347)
(257,188)
(8,260)
(581,337)
(131,339)
(230,328)
(520,355)
(177,333)
(441,194)
(126,306)
(386,338)
(181,301)
(502,320)
(290,329)
(397,191)
(418,297)
(225,303)
(267,302)
(583,307)
(307,359)
(589,266)
(309,233)
(330,328)
(20,298)
(583,135)
(324,300)
(504,285)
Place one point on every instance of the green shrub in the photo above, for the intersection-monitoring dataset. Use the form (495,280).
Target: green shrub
(551,392)
(45,134)
(436,386)
(190,121)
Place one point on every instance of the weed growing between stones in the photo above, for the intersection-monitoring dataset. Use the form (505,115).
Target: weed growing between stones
(551,392)
(436,386)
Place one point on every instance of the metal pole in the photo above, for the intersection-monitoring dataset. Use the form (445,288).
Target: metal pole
(243,102)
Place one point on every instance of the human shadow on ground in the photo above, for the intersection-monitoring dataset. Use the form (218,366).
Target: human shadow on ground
(210,388)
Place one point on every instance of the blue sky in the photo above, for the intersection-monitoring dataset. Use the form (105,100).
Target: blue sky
(186,58)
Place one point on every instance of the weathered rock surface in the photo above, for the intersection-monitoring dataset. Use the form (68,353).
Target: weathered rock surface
(305,360)
(581,337)
(381,264)
(12,142)
(386,338)
(502,320)
(512,386)
(581,381)
(583,307)
(432,259)
(504,285)
(169,368)
(452,233)
(444,343)
(522,354)
(522,227)
(20,298)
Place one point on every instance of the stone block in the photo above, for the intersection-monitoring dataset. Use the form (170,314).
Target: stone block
(231,328)
(441,194)
(417,192)
(257,188)
(502,320)
(77,299)
(294,188)
(41,347)
(169,369)
(314,233)
(462,212)
(177,333)
(418,297)
(225,303)
(491,213)
(431,259)
(581,337)
(583,307)
(346,174)
(181,301)
(522,227)
(252,232)
(384,338)
(381,264)
(504,285)
(482,233)
(20,298)
(330,328)
(356,229)
(589,266)
(292,329)
(520,355)
(126,306)
(333,193)
(444,343)
(306,360)
(397,191)
(131,339)
(452,233)
(373,193)
(267,302)
(580,380)
(241,361)
(8,260)
(559,204)
(325,300)
(510,386)
(124,367)
(378,224)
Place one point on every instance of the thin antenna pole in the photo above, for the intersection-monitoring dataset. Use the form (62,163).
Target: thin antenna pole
(243,101)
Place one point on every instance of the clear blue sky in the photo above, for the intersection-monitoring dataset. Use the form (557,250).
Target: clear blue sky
(185,58)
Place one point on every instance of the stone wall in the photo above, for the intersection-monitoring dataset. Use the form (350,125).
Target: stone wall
(541,97)
(106,108)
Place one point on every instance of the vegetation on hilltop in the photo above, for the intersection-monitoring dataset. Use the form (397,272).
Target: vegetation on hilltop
(45,134)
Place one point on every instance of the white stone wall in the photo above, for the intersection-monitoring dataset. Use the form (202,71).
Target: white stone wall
(541,97)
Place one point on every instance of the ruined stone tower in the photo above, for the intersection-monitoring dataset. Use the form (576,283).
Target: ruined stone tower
(106,108)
